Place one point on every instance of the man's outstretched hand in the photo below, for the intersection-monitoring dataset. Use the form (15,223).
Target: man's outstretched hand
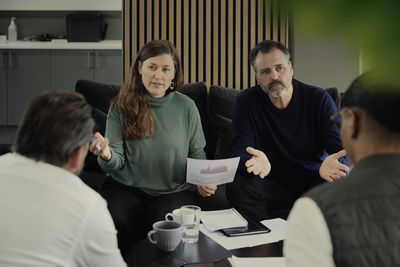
(331,168)
(258,164)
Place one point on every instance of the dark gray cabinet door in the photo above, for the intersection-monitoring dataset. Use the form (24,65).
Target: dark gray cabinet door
(3,88)
(28,76)
(68,66)
(108,66)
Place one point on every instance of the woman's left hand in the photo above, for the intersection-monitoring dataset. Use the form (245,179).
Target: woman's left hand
(206,191)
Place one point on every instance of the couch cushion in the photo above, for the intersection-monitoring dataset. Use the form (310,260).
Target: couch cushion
(100,118)
(198,92)
(98,95)
(221,102)
(223,141)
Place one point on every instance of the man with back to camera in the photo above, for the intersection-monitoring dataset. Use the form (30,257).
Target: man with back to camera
(49,217)
(282,132)
(355,221)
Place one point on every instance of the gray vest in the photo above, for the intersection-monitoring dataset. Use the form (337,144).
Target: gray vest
(362,212)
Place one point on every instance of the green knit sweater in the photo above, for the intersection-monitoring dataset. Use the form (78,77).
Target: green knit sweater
(157,165)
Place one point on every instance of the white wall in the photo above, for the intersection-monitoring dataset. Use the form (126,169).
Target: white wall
(324,60)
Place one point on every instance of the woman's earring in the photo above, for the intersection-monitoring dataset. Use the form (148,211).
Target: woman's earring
(172,86)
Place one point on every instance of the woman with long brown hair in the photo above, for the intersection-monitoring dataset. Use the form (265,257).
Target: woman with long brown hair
(151,131)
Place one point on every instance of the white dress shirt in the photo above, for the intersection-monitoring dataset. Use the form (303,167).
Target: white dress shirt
(308,241)
(49,217)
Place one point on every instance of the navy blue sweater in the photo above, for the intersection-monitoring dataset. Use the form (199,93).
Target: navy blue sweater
(296,139)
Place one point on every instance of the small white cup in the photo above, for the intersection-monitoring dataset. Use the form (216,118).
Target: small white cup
(175,216)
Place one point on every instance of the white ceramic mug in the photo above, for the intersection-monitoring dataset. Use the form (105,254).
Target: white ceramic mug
(166,235)
(174,216)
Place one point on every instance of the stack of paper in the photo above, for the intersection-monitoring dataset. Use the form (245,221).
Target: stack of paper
(222,219)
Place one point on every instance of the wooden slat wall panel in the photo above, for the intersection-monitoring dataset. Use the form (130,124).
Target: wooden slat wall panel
(129,24)
(149,20)
(213,37)
(245,45)
(207,38)
(141,28)
(253,41)
(178,22)
(193,41)
(171,16)
(215,42)
(164,22)
(200,40)
(223,44)
(230,56)
(156,20)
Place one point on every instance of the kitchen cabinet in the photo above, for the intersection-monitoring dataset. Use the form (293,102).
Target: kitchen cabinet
(68,66)
(25,73)
(3,89)
(27,76)
(108,66)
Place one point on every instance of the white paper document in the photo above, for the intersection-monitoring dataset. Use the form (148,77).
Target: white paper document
(257,261)
(221,219)
(211,172)
(278,232)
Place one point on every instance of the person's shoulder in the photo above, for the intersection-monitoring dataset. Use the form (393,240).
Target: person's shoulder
(8,157)
(248,94)
(81,190)
(183,99)
(332,191)
(307,88)
(310,92)
(115,112)
(249,91)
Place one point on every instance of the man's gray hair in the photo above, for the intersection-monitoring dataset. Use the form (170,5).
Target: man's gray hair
(265,47)
(53,126)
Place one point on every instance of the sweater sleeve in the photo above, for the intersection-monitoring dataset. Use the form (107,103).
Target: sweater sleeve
(330,136)
(197,141)
(115,135)
(242,134)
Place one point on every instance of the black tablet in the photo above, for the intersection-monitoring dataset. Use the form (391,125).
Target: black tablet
(253,227)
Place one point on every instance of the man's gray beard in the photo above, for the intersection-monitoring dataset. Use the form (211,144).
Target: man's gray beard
(280,93)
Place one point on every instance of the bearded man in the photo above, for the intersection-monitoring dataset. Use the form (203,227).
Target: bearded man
(281,130)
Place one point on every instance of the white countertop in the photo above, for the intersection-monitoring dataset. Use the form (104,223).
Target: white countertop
(103,45)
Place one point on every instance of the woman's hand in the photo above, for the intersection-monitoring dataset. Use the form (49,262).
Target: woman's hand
(206,191)
(99,147)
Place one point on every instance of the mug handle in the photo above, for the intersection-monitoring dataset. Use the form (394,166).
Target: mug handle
(150,236)
(169,217)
